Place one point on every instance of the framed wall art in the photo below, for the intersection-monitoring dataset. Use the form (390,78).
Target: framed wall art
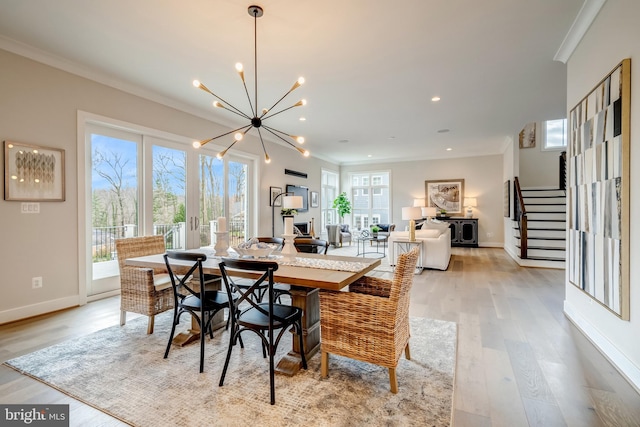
(33,173)
(598,191)
(314,199)
(445,194)
(273,193)
(527,137)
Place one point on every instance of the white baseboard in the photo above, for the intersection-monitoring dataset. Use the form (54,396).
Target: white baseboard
(37,309)
(619,360)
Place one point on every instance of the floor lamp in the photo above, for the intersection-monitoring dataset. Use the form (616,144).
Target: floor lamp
(289,201)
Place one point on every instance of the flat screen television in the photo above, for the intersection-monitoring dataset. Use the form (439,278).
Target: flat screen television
(299,190)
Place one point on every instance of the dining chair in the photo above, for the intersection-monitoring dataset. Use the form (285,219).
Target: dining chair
(190,295)
(144,291)
(370,322)
(261,318)
(310,245)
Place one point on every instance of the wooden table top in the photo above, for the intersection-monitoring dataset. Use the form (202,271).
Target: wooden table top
(309,277)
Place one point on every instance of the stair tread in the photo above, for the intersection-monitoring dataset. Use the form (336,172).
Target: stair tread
(545,248)
(542,238)
(541,258)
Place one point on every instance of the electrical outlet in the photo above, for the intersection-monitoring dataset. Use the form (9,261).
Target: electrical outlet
(36,282)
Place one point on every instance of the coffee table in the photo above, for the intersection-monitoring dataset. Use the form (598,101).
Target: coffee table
(362,240)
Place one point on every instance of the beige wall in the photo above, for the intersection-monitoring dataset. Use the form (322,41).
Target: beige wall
(39,105)
(483,179)
(613,36)
(538,168)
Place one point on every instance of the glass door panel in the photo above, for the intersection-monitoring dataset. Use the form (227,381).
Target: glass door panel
(170,196)
(211,184)
(114,202)
(237,202)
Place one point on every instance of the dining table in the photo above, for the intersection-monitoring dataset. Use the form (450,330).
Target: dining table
(306,273)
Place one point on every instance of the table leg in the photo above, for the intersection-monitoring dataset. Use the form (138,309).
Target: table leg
(308,300)
(193,333)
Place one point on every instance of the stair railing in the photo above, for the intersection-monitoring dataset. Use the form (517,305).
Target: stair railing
(563,170)
(521,217)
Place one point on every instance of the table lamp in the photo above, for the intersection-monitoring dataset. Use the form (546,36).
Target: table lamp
(411,214)
(470,203)
(429,212)
(289,201)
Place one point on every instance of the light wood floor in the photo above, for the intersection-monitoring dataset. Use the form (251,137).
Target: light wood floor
(520,362)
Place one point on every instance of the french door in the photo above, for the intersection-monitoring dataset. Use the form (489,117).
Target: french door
(148,185)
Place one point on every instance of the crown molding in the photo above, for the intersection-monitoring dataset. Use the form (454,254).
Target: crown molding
(578,29)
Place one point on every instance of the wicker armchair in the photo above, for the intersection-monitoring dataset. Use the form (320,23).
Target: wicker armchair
(143,290)
(370,322)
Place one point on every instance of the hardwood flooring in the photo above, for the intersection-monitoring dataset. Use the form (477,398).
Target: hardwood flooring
(520,361)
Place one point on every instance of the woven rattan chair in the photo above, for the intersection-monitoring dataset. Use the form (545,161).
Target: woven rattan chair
(143,290)
(370,322)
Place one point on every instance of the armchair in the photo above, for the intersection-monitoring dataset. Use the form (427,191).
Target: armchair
(143,290)
(338,234)
(370,322)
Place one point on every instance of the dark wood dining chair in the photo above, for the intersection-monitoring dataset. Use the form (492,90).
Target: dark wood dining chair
(259,292)
(310,245)
(191,296)
(261,318)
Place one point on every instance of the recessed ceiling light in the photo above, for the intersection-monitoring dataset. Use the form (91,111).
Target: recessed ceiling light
(449,149)
(303,119)
(443,130)
(369,155)
(435,99)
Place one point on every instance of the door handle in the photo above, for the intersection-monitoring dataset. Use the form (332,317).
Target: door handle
(197,223)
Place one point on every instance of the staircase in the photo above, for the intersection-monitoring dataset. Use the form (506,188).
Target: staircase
(546,228)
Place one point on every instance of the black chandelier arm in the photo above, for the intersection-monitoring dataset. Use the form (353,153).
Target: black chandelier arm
(255,62)
(274,132)
(224,102)
(266,156)
(294,87)
(253,112)
(203,142)
(297,104)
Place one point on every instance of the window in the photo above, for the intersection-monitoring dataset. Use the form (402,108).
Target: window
(371,199)
(555,134)
(328,193)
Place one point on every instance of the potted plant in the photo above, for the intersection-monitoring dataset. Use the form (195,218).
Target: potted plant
(374,230)
(442,213)
(288,212)
(343,205)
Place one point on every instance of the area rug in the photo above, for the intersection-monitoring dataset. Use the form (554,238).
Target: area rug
(121,371)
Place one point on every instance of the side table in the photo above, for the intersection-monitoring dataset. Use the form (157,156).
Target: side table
(402,246)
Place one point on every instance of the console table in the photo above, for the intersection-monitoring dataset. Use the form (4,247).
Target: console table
(464,231)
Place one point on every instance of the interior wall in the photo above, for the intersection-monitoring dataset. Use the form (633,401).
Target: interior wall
(613,36)
(482,179)
(538,167)
(39,105)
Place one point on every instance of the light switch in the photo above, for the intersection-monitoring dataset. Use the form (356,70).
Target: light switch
(33,207)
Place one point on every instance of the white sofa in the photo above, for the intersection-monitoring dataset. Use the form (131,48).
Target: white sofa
(436,247)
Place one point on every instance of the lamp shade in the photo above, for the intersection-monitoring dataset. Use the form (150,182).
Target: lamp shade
(418,203)
(411,213)
(292,202)
(470,202)
(429,211)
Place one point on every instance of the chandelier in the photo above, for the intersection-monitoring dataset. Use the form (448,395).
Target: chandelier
(255,119)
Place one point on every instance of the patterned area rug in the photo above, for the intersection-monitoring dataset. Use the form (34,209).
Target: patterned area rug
(121,371)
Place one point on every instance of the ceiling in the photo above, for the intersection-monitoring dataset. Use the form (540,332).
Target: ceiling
(371,67)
